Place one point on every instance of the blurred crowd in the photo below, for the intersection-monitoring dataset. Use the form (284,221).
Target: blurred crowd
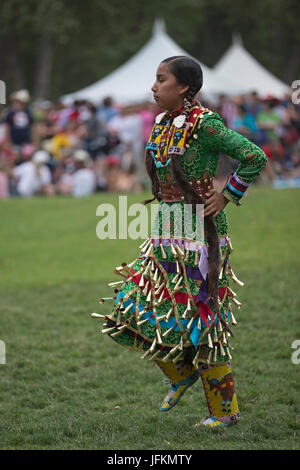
(78,148)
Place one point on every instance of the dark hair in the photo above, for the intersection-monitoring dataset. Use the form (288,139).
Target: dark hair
(187,72)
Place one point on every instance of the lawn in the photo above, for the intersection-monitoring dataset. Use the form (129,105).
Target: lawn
(66,386)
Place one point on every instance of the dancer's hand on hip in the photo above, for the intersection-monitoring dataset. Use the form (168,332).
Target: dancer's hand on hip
(214,203)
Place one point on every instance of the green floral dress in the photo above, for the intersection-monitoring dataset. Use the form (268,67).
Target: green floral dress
(161,308)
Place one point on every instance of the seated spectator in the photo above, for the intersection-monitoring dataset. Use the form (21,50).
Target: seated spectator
(83,179)
(65,177)
(244,123)
(268,122)
(34,177)
(96,140)
(66,139)
(107,110)
(19,119)
(4,180)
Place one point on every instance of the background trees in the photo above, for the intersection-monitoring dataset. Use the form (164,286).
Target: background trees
(53,47)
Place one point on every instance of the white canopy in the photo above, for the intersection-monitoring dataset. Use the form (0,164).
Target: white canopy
(133,80)
(251,75)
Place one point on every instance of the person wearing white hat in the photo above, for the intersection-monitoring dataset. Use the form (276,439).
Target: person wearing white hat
(84,178)
(19,119)
(34,177)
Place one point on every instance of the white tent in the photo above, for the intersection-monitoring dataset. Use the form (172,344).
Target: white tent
(252,76)
(133,80)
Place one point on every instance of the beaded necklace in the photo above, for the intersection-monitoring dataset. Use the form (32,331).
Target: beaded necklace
(169,136)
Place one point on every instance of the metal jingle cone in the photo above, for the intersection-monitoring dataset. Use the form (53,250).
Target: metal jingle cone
(228,353)
(105,299)
(199,324)
(163,253)
(215,353)
(176,358)
(174,349)
(174,252)
(235,279)
(119,268)
(145,290)
(141,312)
(155,277)
(97,315)
(165,334)
(178,283)
(215,335)
(177,268)
(224,340)
(233,320)
(149,296)
(195,360)
(147,269)
(120,330)
(210,344)
(107,330)
(175,278)
(236,302)
(179,250)
(169,314)
(159,340)
(231,292)
(119,317)
(161,297)
(132,263)
(185,314)
(154,355)
(144,262)
(181,343)
(187,254)
(145,354)
(141,322)
(149,251)
(113,284)
(221,273)
(166,358)
(152,348)
(189,325)
(158,282)
(142,281)
(128,308)
(221,349)
(142,245)
(160,288)
(220,329)
(161,318)
(209,357)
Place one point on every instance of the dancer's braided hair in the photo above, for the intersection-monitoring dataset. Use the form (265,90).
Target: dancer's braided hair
(188,72)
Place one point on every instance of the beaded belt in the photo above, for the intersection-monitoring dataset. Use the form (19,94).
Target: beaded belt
(170,192)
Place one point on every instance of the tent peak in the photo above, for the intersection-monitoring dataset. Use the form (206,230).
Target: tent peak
(159,26)
(237,39)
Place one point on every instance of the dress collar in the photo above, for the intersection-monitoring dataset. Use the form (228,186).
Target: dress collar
(171,115)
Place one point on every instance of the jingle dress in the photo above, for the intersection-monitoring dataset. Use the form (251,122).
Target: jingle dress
(161,307)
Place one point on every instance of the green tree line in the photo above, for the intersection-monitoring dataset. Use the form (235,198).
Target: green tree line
(54,47)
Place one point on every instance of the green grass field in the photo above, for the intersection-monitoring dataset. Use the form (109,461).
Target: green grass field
(66,386)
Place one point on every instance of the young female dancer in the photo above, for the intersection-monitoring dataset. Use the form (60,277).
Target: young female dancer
(174,302)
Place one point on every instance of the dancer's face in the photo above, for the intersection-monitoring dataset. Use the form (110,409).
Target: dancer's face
(167,92)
